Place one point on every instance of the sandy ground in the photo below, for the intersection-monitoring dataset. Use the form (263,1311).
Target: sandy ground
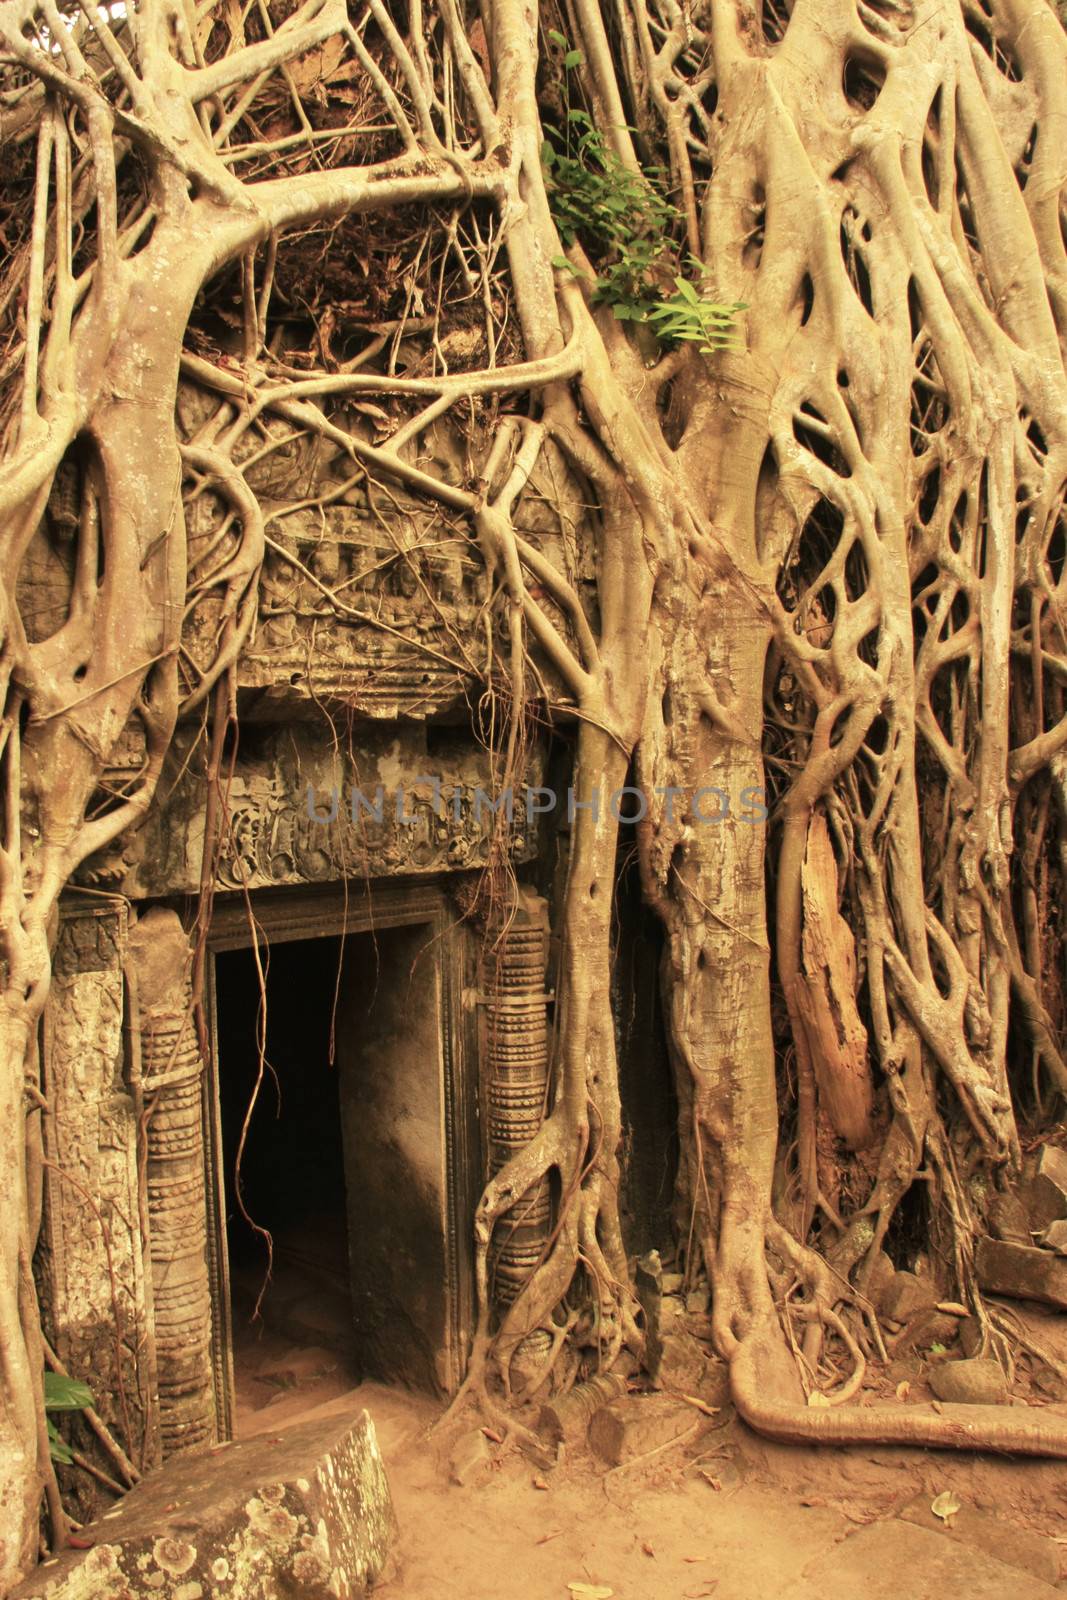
(721,1514)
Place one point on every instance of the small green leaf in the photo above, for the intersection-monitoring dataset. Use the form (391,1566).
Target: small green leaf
(58,1448)
(686,290)
(573,58)
(558,38)
(65,1394)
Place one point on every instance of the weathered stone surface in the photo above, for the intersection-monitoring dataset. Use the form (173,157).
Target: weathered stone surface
(977,1381)
(295,813)
(970,1336)
(898,1561)
(305,1515)
(1045,1193)
(1006,1541)
(1055,1237)
(881,1276)
(905,1295)
(84,1266)
(1021,1272)
(565,1420)
(928,1326)
(1008,1219)
(684,1363)
(649,1286)
(469,1458)
(638,1424)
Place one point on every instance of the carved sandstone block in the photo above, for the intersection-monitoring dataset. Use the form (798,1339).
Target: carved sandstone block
(306,1514)
(1021,1272)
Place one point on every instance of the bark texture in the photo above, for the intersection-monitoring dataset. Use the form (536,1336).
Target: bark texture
(828,563)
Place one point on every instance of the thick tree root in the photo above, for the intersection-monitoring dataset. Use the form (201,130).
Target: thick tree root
(759,1375)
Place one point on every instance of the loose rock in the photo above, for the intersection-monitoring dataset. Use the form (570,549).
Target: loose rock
(978,1381)
(470,1456)
(906,1294)
(638,1424)
(1045,1193)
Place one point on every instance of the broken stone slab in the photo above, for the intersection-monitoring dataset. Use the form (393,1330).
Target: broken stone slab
(305,1514)
(637,1424)
(1022,1272)
(976,1381)
(1045,1192)
(469,1458)
(565,1420)
(970,1336)
(906,1294)
(881,1275)
(1006,1541)
(1009,1219)
(683,1364)
(895,1560)
(1055,1237)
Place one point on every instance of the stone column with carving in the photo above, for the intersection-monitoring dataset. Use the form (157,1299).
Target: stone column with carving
(516,1070)
(90,1266)
(172,1070)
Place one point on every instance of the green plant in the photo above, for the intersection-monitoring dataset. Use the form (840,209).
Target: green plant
(627,225)
(63,1394)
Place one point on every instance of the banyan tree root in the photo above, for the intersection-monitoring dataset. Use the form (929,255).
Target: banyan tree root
(819,606)
(762,1378)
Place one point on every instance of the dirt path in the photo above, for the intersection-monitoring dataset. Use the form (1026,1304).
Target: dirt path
(723,1515)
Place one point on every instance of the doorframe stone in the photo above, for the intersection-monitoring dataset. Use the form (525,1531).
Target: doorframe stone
(328,911)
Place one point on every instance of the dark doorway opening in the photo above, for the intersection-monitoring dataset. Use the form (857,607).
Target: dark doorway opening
(292,1168)
(357,1157)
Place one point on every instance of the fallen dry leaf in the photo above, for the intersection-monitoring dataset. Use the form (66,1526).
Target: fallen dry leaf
(903,1390)
(937,1406)
(945,1506)
(539,1483)
(708,1477)
(647,1548)
(701,1405)
(590,1591)
(491,1433)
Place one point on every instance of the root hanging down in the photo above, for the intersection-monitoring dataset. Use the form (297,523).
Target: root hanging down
(698,385)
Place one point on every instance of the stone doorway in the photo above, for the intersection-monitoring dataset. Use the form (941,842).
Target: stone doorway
(360,1168)
(282,1119)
